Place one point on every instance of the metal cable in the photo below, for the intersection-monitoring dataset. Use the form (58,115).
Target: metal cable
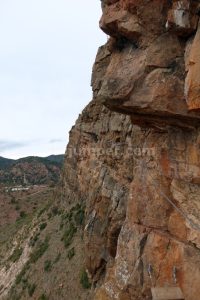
(180,211)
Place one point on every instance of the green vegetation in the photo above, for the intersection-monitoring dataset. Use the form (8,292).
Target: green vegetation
(34,239)
(24,283)
(31,289)
(26,226)
(22,214)
(53,164)
(22,273)
(33,227)
(16,255)
(41,249)
(72,219)
(5,163)
(59,158)
(69,234)
(43,226)
(84,280)
(71,253)
(47,265)
(43,297)
(79,216)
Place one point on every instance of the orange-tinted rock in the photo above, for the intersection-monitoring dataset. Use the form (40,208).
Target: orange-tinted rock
(192,84)
(120,22)
(141,184)
(133,19)
(154,87)
(177,226)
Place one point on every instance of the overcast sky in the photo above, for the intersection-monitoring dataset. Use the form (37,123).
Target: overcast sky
(47,48)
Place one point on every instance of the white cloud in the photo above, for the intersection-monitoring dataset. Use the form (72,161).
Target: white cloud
(8,145)
(47,49)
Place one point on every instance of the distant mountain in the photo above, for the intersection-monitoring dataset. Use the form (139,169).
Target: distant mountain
(31,170)
(5,162)
(56,158)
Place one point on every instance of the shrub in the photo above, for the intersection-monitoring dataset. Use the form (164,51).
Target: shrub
(22,214)
(43,297)
(79,217)
(43,226)
(34,239)
(41,249)
(67,216)
(47,266)
(22,273)
(31,289)
(24,283)
(71,253)
(84,280)
(69,234)
(16,255)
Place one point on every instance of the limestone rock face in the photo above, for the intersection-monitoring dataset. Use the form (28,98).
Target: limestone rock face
(152,38)
(182,18)
(162,226)
(192,83)
(133,156)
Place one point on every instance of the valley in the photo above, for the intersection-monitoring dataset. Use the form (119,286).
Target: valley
(41,253)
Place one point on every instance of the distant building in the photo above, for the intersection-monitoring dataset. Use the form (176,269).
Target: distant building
(16,189)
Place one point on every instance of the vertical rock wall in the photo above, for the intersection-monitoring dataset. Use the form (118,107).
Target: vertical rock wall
(133,155)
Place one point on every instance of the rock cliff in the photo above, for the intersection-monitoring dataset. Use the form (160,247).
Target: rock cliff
(133,157)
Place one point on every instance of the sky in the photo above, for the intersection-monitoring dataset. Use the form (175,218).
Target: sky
(47,49)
